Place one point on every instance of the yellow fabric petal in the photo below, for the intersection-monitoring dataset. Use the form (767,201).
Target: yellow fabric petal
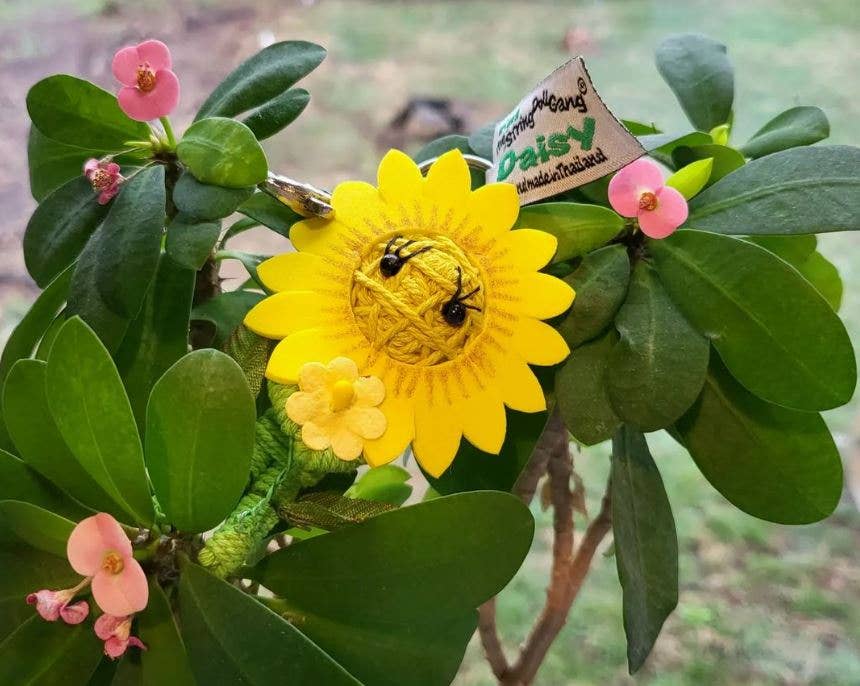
(315,436)
(399,430)
(448,180)
(369,391)
(345,444)
(315,235)
(398,178)
(367,422)
(354,203)
(286,312)
(528,249)
(484,421)
(438,431)
(494,208)
(519,386)
(291,271)
(313,377)
(543,296)
(538,343)
(304,407)
(297,349)
(342,368)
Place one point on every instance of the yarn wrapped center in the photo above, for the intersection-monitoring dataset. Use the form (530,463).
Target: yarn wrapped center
(402,314)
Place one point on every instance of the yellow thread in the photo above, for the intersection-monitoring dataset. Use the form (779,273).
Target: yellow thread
(402,314)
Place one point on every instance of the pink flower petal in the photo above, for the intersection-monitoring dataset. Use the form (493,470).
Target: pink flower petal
(159,102)
(108,194)
(115,647)
(91,539)
(112,168)
(124,593)
(90,166)
(125,64)
(155,53)
(106,625)
(47,604)
(628,185)
(75,613)
(135,642)
(670,213)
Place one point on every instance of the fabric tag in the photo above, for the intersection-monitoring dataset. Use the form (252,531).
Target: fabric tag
(560,136)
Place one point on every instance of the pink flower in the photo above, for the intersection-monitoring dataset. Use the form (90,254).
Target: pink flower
(99,548)
(116,633)
(638,190)
(150,90)
(53,605)
(105,178)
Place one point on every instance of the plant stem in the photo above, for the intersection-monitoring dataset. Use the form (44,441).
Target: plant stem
(168,130)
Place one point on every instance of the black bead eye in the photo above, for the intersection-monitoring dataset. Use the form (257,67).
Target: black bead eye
(393,260)
(390,264)
(454,311)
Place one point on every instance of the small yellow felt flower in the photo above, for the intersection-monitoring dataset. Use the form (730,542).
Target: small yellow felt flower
(337,408)
(423,283)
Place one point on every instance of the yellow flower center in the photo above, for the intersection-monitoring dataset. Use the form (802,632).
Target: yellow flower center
(410,313)
(100,179)
(342,395)
(648,201)
(112,562)
(145,78)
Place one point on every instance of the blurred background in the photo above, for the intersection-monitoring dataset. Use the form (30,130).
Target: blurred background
(760,603)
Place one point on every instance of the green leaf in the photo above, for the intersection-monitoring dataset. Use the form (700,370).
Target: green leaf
(474,470)
(278,113)
(724,159)
(20,482)
(39,528)
(92,411)
(774,463)
(49,654)
(226,312)
(661,146)
(232,639)
(579,228)
(52,164)
(261,78)
(799,251)
(774,332)
(199,439)
(646,545)
(691,179)
(270,212)
(797,191)
(580,387)
(440,146)
(700,74)
(59,229)
(793,128)
(481,141)
(207,202)
(38,440)
(223,152)
(158,337)
(419,585)
(657,369)
(79,113)
(600,283)
(128,259)
(385,484)
(189,243)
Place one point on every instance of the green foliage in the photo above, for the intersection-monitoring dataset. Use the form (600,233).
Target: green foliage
(793,128)
(20,482)
(691,179)
(225,312)
(207,202)
(199,439)
(385,484)
(725,159)
(41,529)
(52,164)
(270,212)
(579,228)
(223,152)
(277,113)
(190,243)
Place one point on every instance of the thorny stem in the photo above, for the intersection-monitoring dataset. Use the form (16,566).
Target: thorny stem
(570,565)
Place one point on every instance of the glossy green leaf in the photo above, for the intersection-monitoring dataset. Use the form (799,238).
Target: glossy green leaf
(190,243)
(38,440)
(689,180)
(199,439)
(128,259)
(93,413)
(206,202)
(77,112)
(278,113)
(646,545)
(600,283)
(800,252)
(19,482)
(49,654)
(481,141)
(772,329)
(793,128)
(385,484)
(657,368)
(223,152)
(774,463)
(59,229)
(724,159)
(233,640)
(226,312)
(396,626)
(39,528)
(661,146)
(261,78)
(52,164)
(796,191)
(700,74)
(474,470)
(158,337)
(270,212)
(579,228)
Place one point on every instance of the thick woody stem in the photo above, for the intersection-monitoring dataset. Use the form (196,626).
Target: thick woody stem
(490,639)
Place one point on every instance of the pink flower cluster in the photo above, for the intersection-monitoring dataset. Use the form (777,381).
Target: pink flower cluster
(99,550)
(638,190)
(104,177)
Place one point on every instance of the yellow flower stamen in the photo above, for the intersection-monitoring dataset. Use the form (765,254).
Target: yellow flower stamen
(648,201)
(145,78)
(112,562)
(342,395)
